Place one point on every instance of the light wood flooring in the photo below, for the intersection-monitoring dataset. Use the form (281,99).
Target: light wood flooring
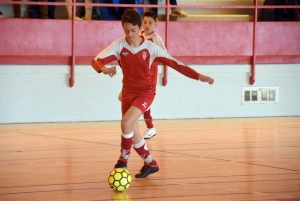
(199,159)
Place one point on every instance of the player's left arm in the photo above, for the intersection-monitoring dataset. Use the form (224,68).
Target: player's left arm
(165,58)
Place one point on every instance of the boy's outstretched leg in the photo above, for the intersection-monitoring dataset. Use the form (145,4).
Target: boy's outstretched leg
(129,126)
(150,165)
(126,144)
(150,132)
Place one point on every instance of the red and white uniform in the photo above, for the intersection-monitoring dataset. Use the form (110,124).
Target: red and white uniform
(139,79)
(154,38)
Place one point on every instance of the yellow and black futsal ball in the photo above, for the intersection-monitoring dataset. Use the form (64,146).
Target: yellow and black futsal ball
(119,179)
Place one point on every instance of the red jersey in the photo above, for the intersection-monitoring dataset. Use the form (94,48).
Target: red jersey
(136,63)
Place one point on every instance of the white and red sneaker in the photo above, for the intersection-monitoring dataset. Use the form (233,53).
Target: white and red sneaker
(149,133)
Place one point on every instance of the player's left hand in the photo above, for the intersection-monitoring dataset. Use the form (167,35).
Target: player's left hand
(204,78)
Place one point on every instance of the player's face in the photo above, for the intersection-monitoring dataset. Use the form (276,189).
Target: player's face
(148,24)
(132,32)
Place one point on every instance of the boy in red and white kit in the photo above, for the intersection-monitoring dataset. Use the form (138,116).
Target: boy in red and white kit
(149,23)
(136,56)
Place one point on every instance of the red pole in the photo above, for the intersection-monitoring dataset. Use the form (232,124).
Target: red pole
(71,79)
(165,77)
(252,76)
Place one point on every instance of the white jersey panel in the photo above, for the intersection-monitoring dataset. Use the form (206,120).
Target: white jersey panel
(156,39)
(156,51)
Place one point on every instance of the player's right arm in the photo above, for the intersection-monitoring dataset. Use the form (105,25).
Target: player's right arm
(109,54)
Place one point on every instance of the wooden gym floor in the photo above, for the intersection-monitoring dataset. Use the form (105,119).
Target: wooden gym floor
(199,159)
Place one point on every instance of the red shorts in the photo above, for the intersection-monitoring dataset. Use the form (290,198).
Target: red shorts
(141,100)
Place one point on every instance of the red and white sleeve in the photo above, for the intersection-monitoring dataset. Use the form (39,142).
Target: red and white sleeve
(109,54)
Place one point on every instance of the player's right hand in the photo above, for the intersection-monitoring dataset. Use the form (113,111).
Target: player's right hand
(110,71)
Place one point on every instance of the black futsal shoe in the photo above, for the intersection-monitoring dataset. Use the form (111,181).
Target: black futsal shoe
(147,169)
(121,164)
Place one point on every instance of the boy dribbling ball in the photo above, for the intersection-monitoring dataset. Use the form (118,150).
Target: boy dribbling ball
(137,56)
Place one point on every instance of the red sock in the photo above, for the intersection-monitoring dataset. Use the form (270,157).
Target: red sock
(142,150)
(126,144)
(148,119)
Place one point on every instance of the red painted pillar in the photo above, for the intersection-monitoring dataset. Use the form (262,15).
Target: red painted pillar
(72,70)
(252,76)
(165,77)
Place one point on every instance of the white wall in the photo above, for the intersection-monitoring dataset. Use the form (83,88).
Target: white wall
(42,94)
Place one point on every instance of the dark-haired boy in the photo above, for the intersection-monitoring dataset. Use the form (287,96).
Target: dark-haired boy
(136,56)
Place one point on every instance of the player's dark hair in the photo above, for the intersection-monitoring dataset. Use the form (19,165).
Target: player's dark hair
(133,17)
(151,14)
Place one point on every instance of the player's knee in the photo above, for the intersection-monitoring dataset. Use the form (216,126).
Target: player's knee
(126,125)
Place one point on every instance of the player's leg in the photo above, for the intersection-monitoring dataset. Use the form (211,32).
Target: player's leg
(129,118)
(143,102)
(126,139)
(150,131)
(150,166)
(133,106)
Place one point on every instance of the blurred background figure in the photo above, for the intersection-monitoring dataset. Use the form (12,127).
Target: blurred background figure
(110,13)
(38,11)
(115,13)
(176,12)
(85,14)
(278,14)
(51,10)
(17,10)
